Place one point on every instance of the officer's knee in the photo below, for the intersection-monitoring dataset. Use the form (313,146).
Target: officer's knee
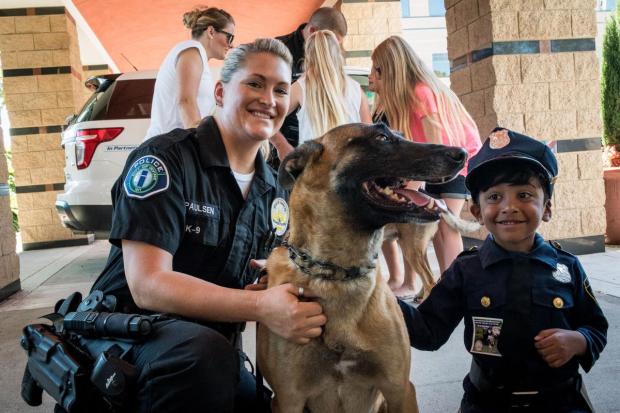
(208,352)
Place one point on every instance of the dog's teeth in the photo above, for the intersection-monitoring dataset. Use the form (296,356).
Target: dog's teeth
(431,203)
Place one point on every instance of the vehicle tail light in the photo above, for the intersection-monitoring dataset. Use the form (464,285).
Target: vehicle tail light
(87,140)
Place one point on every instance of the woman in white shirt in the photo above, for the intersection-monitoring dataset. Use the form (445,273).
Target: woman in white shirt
(184,87)
(325,96)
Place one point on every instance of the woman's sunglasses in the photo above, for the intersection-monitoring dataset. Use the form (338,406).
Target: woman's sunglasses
(229,36)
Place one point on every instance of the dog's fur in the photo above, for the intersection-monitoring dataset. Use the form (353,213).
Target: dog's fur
(414,239)
(361,361)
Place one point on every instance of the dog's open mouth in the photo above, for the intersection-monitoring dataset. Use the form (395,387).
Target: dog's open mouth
(391,193)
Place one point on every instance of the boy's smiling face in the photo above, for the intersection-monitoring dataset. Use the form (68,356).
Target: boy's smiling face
(513,213)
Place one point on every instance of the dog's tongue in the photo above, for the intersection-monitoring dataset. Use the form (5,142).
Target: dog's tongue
(423,200)
(416,197)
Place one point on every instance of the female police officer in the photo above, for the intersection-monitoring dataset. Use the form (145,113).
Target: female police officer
(190,210)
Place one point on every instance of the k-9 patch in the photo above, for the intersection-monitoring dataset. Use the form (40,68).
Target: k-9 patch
(147,176)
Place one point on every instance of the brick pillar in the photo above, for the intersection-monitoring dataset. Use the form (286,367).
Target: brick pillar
(531,66)
(42,85)
(9,261)
(369,24)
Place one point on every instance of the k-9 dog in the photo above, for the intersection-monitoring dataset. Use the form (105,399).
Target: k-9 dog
(338,208)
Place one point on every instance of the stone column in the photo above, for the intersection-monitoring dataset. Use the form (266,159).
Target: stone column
(369,22)
(531,66)
(9,261)
(42,85)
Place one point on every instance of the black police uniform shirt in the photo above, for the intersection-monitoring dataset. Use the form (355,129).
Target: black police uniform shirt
(476,288)
(196,211)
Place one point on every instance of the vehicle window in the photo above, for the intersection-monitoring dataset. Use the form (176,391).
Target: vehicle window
(125,99)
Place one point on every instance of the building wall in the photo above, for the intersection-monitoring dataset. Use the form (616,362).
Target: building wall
(43,84)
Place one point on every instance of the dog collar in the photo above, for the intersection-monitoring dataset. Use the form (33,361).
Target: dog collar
(324,269)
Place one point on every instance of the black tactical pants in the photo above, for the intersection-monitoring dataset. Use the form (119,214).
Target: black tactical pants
(186,367)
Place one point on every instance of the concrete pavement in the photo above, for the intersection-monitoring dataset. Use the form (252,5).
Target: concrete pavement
(48,275)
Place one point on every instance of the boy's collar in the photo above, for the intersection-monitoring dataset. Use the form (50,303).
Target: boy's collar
(491,252)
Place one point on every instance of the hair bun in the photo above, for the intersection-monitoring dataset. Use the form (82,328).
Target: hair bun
(191,17)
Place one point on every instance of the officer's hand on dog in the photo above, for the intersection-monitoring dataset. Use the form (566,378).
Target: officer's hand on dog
(557,346)
(280,309)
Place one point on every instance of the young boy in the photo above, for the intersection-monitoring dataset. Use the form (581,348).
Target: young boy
(530,315)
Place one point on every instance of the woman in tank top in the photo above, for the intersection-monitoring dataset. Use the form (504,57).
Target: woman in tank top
(324,97)
(184,87)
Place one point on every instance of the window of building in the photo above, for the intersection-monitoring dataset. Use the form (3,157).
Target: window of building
(404,6)
(441,64)
(606,5)
(436,8)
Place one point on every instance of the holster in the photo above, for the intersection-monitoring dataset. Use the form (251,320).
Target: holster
(57,368)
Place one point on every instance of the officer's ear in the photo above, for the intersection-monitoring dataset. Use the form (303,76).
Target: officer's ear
(293,165)
(475,211)
(546,217)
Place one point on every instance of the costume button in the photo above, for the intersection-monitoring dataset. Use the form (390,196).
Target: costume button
(558,302)
(485,301)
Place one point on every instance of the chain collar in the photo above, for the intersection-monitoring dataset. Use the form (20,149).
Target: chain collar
(324,269)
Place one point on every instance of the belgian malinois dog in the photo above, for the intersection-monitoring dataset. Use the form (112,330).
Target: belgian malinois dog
(338,209)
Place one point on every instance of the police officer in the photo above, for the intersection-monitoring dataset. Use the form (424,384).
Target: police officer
(323,18)
(191,209)
(531,318)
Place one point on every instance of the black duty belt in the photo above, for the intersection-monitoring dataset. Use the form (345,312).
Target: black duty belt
(493,393)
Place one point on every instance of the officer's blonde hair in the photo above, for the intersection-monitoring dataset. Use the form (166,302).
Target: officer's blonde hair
(236,58)
(324,95)
(401,69)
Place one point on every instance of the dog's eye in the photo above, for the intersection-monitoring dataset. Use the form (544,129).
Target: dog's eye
(382,138)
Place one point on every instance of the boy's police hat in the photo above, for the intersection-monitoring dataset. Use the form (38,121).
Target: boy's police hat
(504,144)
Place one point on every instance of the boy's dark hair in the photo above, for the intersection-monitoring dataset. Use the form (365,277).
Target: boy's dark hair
(509,171)
(328,18)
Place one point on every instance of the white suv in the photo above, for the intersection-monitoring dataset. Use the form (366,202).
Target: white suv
(98,140)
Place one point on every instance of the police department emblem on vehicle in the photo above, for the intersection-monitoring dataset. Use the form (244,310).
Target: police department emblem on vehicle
(562,274)
(279,216)
(147,176)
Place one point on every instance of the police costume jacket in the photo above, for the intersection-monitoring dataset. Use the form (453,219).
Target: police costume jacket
(177,192)
(506,299)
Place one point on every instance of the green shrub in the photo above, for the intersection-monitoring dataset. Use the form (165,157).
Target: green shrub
(610,82)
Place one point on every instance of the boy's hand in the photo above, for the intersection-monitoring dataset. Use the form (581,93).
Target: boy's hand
(261,284)
(557,346)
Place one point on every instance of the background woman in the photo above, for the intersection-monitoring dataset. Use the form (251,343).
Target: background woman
(419,105)
(324,95)
(184,87)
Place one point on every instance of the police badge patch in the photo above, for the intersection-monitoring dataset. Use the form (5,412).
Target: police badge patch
(147,176)
(562,274)
(279,216)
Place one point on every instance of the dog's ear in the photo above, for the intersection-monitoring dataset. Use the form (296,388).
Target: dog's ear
(293,165)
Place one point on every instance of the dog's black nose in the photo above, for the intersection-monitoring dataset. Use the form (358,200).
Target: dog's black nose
(457,154)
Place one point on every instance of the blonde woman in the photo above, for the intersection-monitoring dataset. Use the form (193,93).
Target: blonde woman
(415,102)
(184,87)
(324,95)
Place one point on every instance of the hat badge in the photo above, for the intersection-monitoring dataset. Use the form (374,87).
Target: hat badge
(499,139)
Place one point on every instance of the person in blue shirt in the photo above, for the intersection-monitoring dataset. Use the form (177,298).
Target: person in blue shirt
(531,318)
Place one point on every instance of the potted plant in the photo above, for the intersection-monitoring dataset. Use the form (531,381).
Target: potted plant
(610,107)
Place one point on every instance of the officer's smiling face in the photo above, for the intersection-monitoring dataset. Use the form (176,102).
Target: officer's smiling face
(513,213)
(256,99)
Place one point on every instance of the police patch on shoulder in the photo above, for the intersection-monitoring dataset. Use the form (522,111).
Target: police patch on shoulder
(562,274)
(147,176)
(279,216)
